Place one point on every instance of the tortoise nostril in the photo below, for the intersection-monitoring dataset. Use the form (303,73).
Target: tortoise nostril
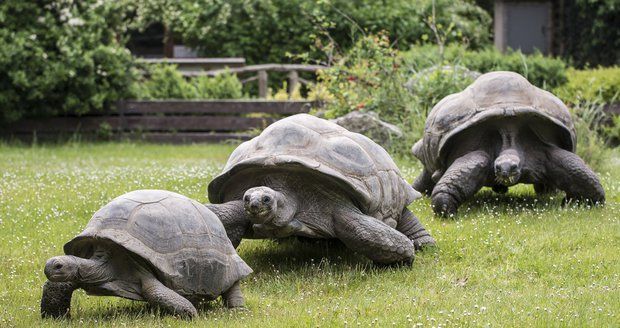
(246,198)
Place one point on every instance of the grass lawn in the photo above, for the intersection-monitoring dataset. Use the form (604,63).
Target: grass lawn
(509,260)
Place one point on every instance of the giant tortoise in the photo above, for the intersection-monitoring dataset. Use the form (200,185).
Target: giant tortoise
(305,176)
(148,245)
(498,132)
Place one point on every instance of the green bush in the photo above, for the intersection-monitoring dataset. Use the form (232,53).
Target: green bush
(373,76)
(60,57)
(166,82)
(588,118)
(542,71)
(268,30)
(600,84)
(611,131)
(222,86)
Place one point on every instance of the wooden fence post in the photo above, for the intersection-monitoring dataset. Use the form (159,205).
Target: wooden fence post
(293,80)
(262,84)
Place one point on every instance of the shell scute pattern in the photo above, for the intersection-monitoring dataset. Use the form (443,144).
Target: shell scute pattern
(493,94)
(179,237)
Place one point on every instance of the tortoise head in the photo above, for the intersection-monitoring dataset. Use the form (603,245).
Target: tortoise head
(62,268)
(261,204)
(508,168)
(69,268)
(267,206)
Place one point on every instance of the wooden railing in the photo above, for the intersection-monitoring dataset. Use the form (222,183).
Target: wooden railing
(196,64)
(262,75)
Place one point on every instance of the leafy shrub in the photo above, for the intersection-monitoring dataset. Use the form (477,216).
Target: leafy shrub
(544,72)
(61,57)
(611,131)
(222,86)
(597,88)
(588,117)
(166,82)
(268,30)
(433,84)
(600,84)
(373,76)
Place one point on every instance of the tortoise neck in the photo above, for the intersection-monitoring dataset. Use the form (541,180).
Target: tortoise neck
(92,271)
(229,211)
(287,207)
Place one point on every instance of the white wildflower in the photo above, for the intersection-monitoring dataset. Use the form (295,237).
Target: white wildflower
(75,21)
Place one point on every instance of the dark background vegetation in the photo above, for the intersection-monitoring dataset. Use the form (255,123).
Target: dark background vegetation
(61,57)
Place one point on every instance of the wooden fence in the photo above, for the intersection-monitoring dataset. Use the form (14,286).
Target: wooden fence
(261,74)
(171,121)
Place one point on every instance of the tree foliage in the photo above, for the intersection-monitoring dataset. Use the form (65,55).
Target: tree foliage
(269,30)
(61,57)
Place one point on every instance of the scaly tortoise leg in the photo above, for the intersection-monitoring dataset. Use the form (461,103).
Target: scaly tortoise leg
(157,294)
(233,298)
(372,238)
(56,299)
(411,227)
(464,177)
(424,183)
(569,172)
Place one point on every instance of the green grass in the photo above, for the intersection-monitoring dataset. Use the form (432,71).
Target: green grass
(507,261)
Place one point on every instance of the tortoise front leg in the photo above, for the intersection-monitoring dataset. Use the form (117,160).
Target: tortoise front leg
(56,299)
(462,180)
(234,219)
(569,172)
(373,238)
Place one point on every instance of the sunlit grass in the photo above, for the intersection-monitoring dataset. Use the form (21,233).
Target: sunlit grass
(512,260)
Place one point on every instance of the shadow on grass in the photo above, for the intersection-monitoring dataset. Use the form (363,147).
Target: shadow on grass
(306,258)
(132,310)
(511,203)
(298,254)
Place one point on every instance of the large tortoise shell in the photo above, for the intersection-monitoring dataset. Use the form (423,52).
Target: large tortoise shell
(180,238)
(311,145)
(493,94)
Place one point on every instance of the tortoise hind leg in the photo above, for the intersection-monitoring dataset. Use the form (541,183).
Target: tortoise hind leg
(56,299)
(424,183)
(372,238)
(411,227)
(543,189)
(157,294)
(233,298)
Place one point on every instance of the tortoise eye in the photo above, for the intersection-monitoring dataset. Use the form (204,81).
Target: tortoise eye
(246,198)
(266,199)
